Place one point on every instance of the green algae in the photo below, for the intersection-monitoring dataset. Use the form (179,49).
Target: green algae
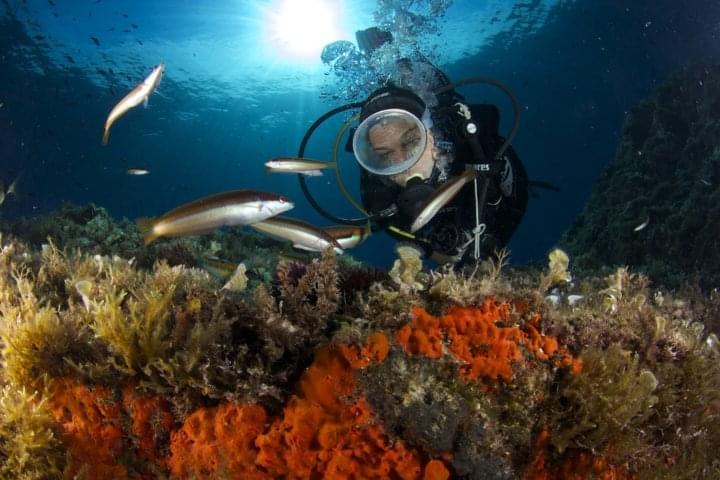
(611,400)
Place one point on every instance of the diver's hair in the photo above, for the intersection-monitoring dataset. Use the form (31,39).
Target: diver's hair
(391,96)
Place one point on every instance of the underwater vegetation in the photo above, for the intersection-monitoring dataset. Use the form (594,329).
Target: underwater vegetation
(113,369)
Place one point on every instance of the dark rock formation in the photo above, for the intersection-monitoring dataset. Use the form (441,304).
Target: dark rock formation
(421,402)
(665,176)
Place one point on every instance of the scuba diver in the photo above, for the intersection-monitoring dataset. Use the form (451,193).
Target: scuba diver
(435,172)
(408,152)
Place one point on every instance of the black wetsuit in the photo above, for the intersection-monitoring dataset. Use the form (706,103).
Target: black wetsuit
(453,226)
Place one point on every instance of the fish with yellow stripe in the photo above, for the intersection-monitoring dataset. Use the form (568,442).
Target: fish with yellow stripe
(348,236)
(301,234)
(218,268)
(232,208)
(303,166)
(441,197)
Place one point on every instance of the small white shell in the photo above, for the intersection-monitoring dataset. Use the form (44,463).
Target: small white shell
(238,280)
(553,298)
(84,288)
(573,299)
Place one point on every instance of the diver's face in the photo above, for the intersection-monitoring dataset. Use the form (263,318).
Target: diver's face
(394,142)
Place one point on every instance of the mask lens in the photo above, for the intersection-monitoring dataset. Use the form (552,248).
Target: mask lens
(389,142)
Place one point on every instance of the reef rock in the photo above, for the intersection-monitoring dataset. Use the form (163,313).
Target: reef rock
(657,204)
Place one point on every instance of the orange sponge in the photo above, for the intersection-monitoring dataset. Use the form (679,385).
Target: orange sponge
(101,426)
(151,422)
(327,431)
(90,420)
(473,335)
(218,442)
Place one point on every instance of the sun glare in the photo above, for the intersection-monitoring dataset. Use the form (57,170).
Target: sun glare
(301,28)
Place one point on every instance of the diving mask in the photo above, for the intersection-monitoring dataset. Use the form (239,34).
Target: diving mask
(390,141)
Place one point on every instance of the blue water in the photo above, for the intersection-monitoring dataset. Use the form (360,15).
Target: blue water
(234,95)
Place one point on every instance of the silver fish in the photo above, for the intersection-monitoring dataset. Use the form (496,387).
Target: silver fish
(236,207)
(441,197)
(302,234)
(642,225)
(138,95)
(137,171)
(11,190)
(304,166)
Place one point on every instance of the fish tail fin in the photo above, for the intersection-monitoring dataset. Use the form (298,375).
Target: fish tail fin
(106,136)
(337,248)
(147,230)
(365,232)
(13,186)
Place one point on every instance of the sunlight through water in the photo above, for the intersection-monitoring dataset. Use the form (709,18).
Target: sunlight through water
(300,29)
